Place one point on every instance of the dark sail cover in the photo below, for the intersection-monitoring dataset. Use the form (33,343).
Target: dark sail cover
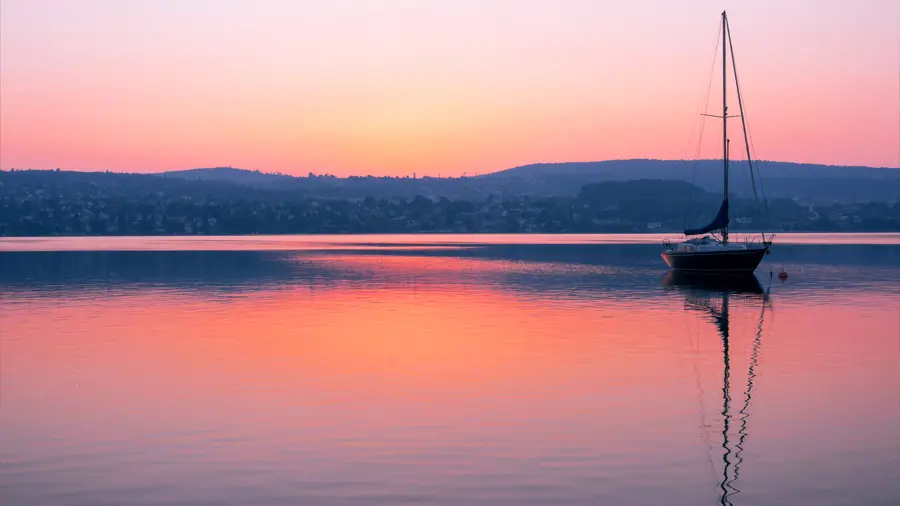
(718,223)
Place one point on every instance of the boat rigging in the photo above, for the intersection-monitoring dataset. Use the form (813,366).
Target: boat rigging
(710,253)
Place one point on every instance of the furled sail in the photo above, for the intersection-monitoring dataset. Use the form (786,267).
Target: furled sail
(718,223)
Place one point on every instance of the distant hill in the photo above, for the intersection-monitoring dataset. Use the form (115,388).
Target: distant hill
(238,176)
(808,182)
(630,169)
(804,182)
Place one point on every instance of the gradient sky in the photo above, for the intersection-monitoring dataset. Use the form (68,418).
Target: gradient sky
(393,87)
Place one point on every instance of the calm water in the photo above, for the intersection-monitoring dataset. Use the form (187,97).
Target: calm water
(446,370)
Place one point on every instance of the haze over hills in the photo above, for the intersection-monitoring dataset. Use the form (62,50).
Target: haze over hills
(804,182)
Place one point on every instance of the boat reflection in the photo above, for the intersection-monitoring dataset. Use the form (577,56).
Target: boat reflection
(711,295)
(742,284)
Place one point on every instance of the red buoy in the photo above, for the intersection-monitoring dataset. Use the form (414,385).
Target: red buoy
(782,275)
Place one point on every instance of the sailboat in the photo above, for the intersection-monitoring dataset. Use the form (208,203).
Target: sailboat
(698,291)
(715,253)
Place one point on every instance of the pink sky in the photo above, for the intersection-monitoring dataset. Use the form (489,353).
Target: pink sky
(393,87)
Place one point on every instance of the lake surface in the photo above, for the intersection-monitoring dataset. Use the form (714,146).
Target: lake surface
(445,370)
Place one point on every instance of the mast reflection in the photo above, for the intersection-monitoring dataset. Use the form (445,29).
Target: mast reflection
(700,293)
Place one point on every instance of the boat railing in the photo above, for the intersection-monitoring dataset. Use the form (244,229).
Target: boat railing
(758,239)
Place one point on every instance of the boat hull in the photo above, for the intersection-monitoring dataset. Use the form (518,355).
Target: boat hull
(715,261)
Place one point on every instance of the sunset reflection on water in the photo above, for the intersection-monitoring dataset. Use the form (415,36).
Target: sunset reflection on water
(500,377)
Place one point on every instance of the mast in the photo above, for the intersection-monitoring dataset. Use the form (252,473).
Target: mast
(725,116)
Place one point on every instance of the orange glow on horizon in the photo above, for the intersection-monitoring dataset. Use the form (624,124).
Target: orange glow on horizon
(300,87)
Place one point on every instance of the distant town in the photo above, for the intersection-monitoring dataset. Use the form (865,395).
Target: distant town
(65,203)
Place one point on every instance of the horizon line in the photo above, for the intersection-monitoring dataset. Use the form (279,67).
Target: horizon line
(438,176)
